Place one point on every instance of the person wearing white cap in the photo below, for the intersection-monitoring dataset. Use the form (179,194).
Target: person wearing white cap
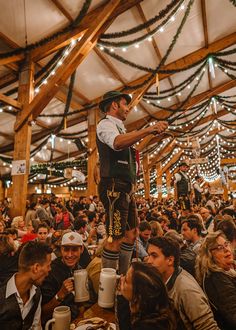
(58,286)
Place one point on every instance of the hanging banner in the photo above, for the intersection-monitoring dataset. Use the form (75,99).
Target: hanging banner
(78,175)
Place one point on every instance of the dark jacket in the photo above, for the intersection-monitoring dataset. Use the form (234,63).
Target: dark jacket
(53,282)
(8,267)
(187,259)
(182,186)
(10,314)
(221,291)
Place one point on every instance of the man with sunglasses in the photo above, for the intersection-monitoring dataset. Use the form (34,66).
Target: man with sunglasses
(58,286)
(118,170)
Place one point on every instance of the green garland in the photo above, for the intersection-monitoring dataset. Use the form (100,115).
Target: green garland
(60,165)
(44,41)
(139,39)
(150,70)
(180,107)
(85,108)
(177,88)
(174,40)
(142,26)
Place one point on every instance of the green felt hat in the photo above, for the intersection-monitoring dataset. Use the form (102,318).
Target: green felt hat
(110,96)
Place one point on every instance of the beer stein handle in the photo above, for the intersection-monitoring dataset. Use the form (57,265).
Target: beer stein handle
(48,323)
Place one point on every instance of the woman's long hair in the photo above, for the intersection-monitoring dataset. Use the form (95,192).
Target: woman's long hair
(150,297)
(205,263)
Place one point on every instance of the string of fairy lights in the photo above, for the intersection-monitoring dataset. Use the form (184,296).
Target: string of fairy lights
(124,45)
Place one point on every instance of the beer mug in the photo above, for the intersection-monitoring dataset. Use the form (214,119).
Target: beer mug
(61,318)
(81,285)
(107,287)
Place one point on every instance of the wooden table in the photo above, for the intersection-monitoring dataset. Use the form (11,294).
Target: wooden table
(97,311)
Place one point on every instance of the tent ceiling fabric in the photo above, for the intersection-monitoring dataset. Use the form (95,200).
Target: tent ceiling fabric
(30,21)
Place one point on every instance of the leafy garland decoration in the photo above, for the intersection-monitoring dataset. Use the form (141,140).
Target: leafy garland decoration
(44,41)
(176,89)
(139,39)
(142,26)
(164,58)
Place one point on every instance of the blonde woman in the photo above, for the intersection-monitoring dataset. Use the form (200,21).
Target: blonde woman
(19,224)
(216,275)
(156,229)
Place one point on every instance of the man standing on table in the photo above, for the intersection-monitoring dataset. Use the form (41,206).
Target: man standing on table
(183,186)
(118,175)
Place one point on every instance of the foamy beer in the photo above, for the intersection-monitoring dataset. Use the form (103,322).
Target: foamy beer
(81,285)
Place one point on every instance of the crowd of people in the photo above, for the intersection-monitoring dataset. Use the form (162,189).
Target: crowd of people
(181,274)
(175,258)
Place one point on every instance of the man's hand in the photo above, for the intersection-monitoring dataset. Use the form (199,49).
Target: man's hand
(66,288)
(159,127)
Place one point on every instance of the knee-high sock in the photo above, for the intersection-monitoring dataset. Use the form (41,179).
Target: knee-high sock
(126,251)
(110,259)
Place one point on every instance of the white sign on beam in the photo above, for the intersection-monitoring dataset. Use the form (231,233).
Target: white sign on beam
(197,161)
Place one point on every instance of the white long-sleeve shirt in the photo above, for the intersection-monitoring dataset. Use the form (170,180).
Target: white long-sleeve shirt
(108,129)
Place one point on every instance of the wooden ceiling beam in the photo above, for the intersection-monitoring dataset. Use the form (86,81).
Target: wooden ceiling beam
(155,46)
(9,61)
(8,100)
(43,133)
(182,62)
(77,32)
(175,158)
(9,42)
(63,10)
(161,115)
(204,21)
(170,146)
(71,62)
(191,58)
(7,136)
(205,120)
(62,96)
(226,161)
(109,65)
(205,30)
(8,79)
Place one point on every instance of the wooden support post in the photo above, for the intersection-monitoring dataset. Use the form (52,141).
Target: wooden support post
(146,176)
(159,180)
(225,194)
(168,182)
(23,139)
(2,191)
(92,154)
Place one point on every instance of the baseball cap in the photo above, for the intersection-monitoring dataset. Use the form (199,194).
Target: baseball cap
(72,238)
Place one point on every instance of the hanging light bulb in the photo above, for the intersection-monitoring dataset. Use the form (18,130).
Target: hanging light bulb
(211,67)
